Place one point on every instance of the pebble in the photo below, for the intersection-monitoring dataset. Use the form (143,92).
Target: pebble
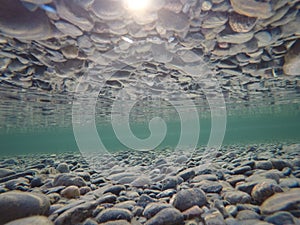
(194,211)
(74,213)
(264,165)
(116,222)
(285,201)
(153,208)
(24,24)
(280,218)
(264,190)
(234,197)
(167,216)
(6,172)
(70,192)
(237,38)
(187,174)
(17,204)
(114,214)
(141,181)
(63,168)
(32,220)
(210,186)
(291,60)
(213,217)
(247,215)
(187,198)
(68,180)
(252,8)
(173,21)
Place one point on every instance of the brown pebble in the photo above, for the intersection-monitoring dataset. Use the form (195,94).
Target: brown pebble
(70,192)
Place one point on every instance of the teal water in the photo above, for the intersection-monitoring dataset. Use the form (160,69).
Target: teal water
(245,127)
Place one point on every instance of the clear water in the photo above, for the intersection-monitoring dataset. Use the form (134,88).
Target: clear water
(36,123)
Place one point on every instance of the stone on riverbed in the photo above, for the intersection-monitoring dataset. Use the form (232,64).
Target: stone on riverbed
(185,199)
(17,204)
(282,201)
(68,180)
(32,220)
(168,216)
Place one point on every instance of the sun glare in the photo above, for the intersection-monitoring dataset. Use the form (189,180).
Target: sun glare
(137,5)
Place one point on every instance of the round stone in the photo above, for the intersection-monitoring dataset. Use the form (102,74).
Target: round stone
(6,172)
(18,22)
(153,208)
(17,204)
(68,180)
(63,168)
(286,201)
(187,198)
(70,192)
(262,191)
(234,197)
(114,214)
(32,220)
(168,216)
(206,5)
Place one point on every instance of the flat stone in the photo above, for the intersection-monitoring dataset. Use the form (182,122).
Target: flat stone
(116,222)
(187,174)
(115,189)
(18,22)
(68,29)
(70,51)
(187,198)
(280,218)
(76,213)
(264,165)
(214,19)
(213,217)
(247,215)
(113,214)
(263,37)
(153,208)
(241,23)
(289,182)
(6,172)
(210,186)
(192,212)
(68,180)
(237,38)
(285,201)
(168,216)
(253,221)
(144,200)
(32,220)
(107,10)
(173,21)
(16,204)
(241,170)
(253,8)
(291,64)
(141,181)
(75,14)
(234,197)
(264,190)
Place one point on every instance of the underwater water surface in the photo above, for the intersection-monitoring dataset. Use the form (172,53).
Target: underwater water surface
(244,125)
